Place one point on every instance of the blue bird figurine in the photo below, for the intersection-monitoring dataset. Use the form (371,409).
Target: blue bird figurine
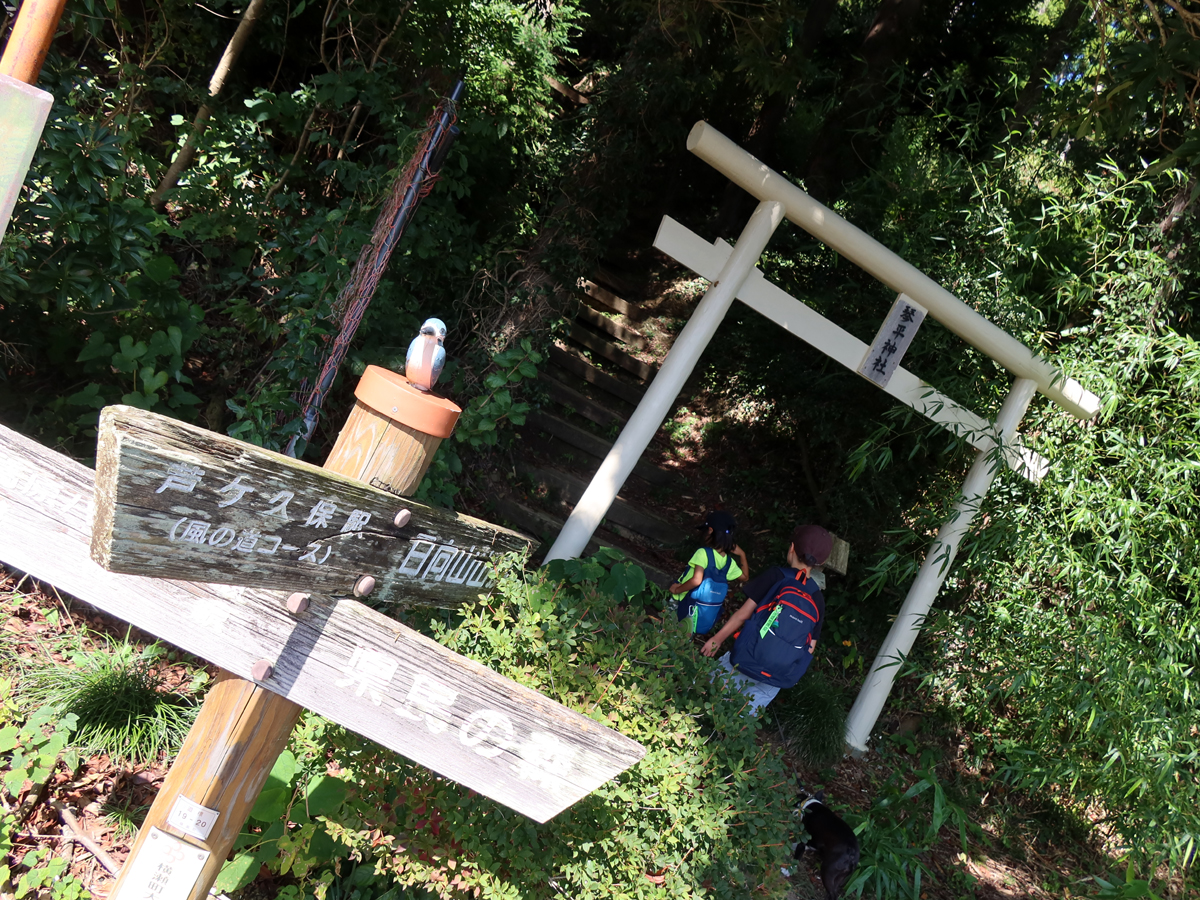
(426,355)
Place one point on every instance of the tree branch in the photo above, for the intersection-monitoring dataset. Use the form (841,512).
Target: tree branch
(188,152)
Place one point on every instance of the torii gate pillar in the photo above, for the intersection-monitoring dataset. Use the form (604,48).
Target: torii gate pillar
(934,569)
(667,384)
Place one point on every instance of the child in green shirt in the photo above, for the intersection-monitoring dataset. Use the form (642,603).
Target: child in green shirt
(700,593)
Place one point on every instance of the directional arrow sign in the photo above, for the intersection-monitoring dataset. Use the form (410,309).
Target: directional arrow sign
(339,658)
(177,501)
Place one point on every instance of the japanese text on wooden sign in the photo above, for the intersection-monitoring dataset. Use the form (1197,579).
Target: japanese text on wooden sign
(341,659)
(179,502)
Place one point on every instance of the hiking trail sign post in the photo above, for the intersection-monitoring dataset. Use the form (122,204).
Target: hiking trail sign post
(279,546)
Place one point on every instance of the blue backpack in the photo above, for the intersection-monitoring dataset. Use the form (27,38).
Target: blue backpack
(773,645)
(703,603)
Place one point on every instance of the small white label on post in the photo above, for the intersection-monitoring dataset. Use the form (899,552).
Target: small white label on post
(165,867)
(192,818)
(892,341)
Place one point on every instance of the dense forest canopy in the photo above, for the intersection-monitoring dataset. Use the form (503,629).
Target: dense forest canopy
(1038,159)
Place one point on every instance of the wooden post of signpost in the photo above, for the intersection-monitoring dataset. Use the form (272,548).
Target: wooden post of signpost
(388,441)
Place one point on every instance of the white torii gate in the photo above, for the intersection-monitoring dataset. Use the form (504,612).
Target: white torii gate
(733,274)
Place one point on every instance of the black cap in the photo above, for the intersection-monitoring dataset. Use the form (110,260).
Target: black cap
(812,544)
(719,521)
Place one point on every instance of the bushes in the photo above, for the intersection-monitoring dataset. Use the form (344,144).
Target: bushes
(707,812)
(220,307)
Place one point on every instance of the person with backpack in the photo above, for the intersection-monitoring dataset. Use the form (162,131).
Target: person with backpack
(700,592)
(776,630)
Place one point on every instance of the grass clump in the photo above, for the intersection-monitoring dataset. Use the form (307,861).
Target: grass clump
(812,717)
(119,700)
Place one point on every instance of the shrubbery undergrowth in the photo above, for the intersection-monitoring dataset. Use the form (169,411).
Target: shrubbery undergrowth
(707,813)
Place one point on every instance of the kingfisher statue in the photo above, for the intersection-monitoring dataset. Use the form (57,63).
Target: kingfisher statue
(426,355)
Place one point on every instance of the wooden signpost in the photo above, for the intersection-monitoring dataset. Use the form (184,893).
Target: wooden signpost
(177,501)
(283,650)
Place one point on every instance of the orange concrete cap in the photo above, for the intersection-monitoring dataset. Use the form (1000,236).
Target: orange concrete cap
(391,394)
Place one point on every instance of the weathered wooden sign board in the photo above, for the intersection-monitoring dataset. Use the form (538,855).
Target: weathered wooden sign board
(339,658)
(177,501)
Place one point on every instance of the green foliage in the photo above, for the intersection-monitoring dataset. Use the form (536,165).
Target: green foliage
(1128,888)
(45,874)
(896,834)
(1072,648)
(288,829)
(479,426)
(703,814)
(117,700)
(220,307)
(607,570)
(123,820)
(812,715)
(30,752)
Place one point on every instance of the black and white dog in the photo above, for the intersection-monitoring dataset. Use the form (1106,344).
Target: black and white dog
(833,839)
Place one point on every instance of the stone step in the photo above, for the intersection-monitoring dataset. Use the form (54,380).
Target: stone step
(564,395)
(546,527)
(596,446)
(625,335)
(619,281)
(580,367)
(622,513)
(611,352)
(605,300)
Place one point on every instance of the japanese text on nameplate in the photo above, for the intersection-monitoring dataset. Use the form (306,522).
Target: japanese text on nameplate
(892,341)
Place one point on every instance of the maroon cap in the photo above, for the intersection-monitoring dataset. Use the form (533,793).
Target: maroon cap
(812,544)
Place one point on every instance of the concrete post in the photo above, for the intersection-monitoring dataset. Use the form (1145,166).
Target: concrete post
(934,570)
(667,384)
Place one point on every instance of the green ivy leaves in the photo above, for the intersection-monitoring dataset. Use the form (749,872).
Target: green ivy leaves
(285,830)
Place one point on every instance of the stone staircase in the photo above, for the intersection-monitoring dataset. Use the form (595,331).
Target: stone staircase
(596,376)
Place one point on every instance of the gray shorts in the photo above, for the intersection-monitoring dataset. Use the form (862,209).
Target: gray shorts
(756,692)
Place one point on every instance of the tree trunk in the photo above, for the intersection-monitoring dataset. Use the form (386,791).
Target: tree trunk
(188,152)
(839,152)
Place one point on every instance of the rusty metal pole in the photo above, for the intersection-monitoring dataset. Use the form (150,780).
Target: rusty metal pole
(30,39)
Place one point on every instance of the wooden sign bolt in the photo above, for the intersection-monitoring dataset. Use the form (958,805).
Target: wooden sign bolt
(262,670)
(388,442)
(297,603)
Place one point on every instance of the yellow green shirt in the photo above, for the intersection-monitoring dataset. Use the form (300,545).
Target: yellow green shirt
(700,560)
